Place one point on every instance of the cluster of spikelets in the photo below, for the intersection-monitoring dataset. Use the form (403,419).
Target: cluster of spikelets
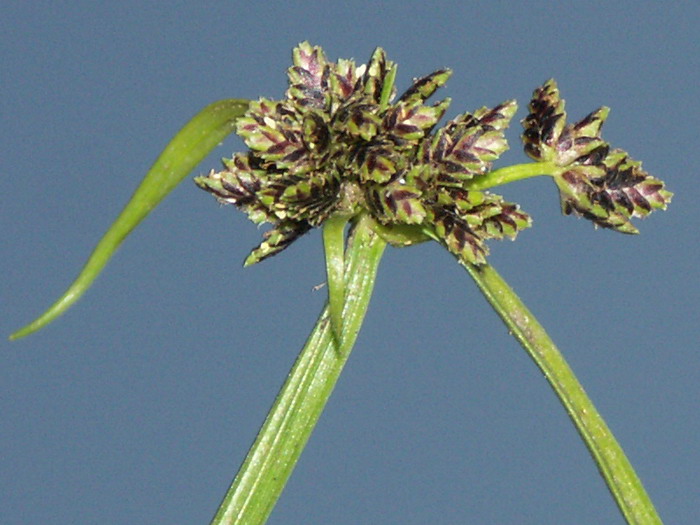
(340,144)
(596,182)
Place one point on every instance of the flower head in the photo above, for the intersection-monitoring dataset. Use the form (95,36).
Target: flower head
(340,143)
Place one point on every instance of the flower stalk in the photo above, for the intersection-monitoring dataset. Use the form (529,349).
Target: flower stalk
(282,438)
(622,481)
(512,173)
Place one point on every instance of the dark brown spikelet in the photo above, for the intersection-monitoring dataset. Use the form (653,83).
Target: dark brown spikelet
(458,237)
(309,77)
(547,136)
(469,218)
(399,202)
(468,144)
(611,192)
(545,123)
(376,74)
(276,240)
(423,88)
(310,198)
(239,184)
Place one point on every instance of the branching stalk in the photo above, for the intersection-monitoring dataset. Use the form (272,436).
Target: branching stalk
(510,174)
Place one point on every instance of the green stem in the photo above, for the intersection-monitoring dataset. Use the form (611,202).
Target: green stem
(301,400)
(625,486)
(511,174)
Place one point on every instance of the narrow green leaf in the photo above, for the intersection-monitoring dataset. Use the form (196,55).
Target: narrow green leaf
(334,246)
(187,149)
(622,481)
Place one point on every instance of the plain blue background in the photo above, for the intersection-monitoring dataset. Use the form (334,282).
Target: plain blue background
(139,404)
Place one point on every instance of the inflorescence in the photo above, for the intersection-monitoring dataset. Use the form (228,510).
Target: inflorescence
(338,144)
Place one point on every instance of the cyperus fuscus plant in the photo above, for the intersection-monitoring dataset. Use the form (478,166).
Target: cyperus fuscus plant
(340,148)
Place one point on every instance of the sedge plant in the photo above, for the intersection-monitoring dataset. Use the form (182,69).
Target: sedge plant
(342,153)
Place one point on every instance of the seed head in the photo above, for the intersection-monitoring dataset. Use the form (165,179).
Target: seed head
(339,143)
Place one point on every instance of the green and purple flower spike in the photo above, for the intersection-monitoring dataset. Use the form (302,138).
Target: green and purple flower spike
(338,145)
(596,182)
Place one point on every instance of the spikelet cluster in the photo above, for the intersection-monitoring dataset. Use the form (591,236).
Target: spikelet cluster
(340,142)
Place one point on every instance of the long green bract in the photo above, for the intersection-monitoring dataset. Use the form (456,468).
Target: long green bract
(187,149)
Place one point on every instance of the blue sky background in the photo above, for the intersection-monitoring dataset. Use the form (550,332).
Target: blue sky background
(139,404)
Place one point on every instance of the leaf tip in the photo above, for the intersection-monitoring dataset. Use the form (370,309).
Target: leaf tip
(30,328)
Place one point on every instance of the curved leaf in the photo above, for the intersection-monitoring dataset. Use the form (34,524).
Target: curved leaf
(187,149)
